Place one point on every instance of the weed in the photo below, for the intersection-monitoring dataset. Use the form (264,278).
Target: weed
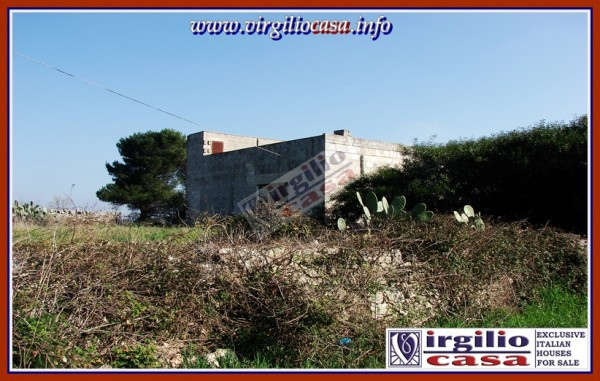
(39,341)
(137,356)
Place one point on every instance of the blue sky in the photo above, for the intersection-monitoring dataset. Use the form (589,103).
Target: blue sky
(452,75)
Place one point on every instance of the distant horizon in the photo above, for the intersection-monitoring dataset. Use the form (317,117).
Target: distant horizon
(453,75)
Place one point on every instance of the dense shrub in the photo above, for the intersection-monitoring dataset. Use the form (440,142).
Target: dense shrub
(539,173)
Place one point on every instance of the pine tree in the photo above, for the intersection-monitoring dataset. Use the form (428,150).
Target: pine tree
(151,177)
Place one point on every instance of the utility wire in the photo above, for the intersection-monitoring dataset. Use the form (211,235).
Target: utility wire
(264,149)
(102,87)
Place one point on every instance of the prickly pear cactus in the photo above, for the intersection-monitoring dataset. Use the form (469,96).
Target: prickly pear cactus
(418,209)
(469,218)
(372,207)
(469,211)
(372,203)
(28,212)
(425,216)
(341,223)
(360,201)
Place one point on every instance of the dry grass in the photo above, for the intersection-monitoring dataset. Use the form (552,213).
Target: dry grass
(93,295)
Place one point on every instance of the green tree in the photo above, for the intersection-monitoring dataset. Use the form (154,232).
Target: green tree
(151,177)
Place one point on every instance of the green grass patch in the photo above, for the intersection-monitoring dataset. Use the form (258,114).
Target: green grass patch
(65,234)
(555,307)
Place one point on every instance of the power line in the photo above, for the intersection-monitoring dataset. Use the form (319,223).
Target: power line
(264,149)
(103,88)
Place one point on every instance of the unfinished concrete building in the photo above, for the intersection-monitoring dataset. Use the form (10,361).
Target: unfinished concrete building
(223,169)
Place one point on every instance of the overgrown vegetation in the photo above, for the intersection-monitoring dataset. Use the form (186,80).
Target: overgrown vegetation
(89,293)
(165,297)
(538,173)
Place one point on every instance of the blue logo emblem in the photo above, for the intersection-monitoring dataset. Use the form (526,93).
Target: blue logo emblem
(404,348)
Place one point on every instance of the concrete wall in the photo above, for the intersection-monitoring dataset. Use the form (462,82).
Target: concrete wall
(216,183)
(364,155)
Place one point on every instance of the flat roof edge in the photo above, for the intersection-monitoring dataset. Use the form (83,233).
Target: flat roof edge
(237,136)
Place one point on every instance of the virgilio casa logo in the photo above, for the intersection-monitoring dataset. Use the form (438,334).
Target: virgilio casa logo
(492,349)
